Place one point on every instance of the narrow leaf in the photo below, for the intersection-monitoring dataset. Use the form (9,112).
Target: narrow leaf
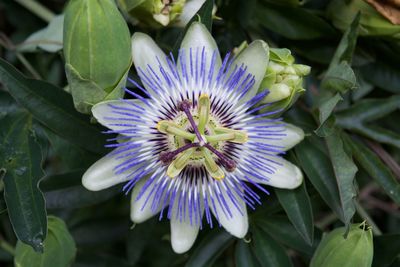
(268,251)
(210,249)
(244,256)
(52,107)
(20,159)
(297,205)
(358,119)
(345,170)
(293,23)
(326,108)
(65,191)
(318,169)
(282,230)
(370,162)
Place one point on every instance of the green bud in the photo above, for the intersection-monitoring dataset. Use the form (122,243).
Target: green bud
(283,79)
(342,13)
(277,92)
(354,250)
(281,55)
(154,13)
(97,51)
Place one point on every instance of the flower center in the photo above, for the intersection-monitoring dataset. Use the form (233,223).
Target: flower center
(197,139)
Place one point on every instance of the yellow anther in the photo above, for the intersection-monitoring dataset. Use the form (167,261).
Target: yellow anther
(169,127)
(215,171)
(222,133)
(180,162)
(204,112)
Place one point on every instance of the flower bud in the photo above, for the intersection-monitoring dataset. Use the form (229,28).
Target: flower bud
(342,13)
(97,51)
(283,79)
(354,250)
(154,13)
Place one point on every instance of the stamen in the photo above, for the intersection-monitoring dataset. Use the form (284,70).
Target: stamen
(204,112)
(215,171)
(166,157)
(169,127)
(185,106)
(180,162)
(241,137)
(229,164)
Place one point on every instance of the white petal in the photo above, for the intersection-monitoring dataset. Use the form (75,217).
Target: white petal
(255,57)
(146,52)
(140,213)
(104,110)
(198,37)
(292,136)
(183,234)
(237,224)
(189,10)
(286,175)
(101,174)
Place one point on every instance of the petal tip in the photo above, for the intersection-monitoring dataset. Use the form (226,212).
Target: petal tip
(89,180)
(298,179)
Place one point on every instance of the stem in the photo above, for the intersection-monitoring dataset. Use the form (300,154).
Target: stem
(6,246)
(7,44)
(28,66)
(363,213)
(37,9)
(385,157)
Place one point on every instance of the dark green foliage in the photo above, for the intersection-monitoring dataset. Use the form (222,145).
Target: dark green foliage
(349,157)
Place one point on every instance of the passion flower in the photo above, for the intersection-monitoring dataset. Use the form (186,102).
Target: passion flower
(193,143)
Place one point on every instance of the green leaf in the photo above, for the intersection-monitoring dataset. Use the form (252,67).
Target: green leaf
(340,78)
(358,117)
(65,191)
(345,49)
(386,249)
(268,252)
(326,108)
(211,247)
(53,108)
(283,231)
(293,23)
(318,169)
(205,14)
(71,157)
(244,256)
(297,206)
(345,170)
(59,248)
(21,159)
(370,162)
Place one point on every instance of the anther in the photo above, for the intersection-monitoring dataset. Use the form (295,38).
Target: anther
(229,164)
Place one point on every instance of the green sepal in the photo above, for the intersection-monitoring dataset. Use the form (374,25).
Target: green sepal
(87,93)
